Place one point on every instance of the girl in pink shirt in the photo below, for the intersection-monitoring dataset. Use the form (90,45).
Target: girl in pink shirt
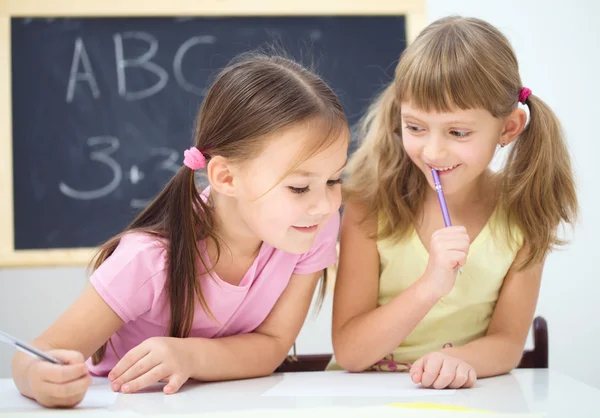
(213,285)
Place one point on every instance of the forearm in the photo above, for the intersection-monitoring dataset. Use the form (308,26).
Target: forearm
(369,337)
(491,355)
(236,357)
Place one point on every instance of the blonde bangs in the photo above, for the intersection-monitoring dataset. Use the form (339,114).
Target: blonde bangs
(453,70)
(461,63)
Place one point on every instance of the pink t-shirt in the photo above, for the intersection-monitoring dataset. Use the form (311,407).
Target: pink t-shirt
(132,282)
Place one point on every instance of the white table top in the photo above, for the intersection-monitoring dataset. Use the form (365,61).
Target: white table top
(529,392)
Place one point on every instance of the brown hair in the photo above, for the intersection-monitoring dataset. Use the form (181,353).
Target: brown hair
(256,95)
(464,63)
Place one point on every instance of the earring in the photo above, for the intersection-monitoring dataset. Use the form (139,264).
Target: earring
(503,144)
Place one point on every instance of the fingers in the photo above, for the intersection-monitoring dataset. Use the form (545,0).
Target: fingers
(452,243)
(453,233)
(59,385)
(447,373)
(456,229)
(471,380)
(63,394)
(70,389)
(156,359)
(456,259)
(461,376)
(68,356)
(143,366)
(73,369)
(431,369)
(174,384)
(149,378)
(56,373)
(440,371)
(132,357)
(449,240)
(416,371)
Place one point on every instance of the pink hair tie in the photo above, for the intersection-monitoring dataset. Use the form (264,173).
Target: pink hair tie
(194,159)
(525,92)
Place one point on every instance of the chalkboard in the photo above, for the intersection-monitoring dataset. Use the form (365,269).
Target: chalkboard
(102,108)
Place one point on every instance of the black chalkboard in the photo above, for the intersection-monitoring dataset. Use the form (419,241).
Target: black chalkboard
(104,107)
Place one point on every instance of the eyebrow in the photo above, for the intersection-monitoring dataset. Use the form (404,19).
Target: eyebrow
(451,122)
(306,173)
(460,122)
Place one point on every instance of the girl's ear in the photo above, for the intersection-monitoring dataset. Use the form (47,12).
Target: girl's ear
(513,126)
(220,175)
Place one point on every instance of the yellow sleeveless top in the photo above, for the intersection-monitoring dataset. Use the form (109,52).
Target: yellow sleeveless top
(465,313)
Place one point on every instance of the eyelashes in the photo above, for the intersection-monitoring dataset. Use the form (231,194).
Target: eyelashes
(301,190)
(456,134)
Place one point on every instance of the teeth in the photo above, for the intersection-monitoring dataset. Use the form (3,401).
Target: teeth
(444,168)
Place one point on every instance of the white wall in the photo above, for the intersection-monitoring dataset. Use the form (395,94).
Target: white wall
(556,43)
(31,299)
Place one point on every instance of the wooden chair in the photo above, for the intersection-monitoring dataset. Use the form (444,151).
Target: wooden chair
(538,357)
(532,359)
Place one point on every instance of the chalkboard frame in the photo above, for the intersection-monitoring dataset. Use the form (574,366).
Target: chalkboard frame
(412,10)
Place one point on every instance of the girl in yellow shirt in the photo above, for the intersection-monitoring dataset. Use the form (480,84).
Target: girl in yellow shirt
(399,301)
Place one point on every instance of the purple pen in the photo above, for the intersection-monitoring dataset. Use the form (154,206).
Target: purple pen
(442,200)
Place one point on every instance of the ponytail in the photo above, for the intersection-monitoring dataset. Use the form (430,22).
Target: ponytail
(538,190)
(179,215)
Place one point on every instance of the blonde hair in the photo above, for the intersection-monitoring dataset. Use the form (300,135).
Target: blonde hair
(464,63)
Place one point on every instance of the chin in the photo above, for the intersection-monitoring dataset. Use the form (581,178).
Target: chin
(295,247)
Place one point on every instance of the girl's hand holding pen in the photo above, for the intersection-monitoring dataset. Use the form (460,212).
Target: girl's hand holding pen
(59,385)
(448,252)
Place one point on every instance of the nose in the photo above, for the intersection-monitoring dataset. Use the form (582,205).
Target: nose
(435,149)
(322,205)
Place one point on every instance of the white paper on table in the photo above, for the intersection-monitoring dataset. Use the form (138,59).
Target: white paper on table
(339,383)
(364,412)
(99,395)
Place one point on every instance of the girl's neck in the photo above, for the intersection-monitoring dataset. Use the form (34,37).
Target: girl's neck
(235,236)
